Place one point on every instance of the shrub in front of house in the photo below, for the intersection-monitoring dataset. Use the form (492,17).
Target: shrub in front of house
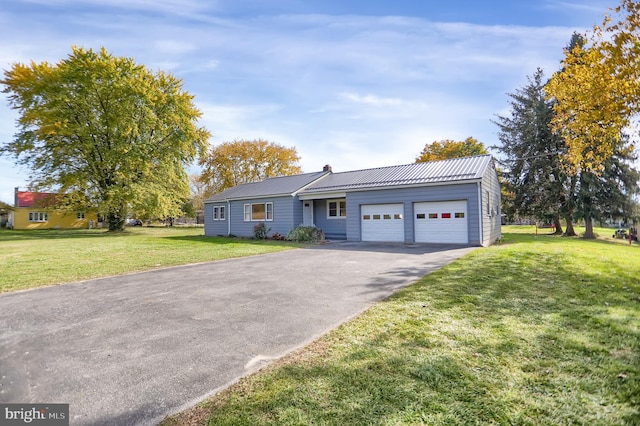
(306,234)
(260,231)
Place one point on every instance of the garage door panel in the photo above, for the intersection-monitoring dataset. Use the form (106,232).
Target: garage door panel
(441,222)
(382,222)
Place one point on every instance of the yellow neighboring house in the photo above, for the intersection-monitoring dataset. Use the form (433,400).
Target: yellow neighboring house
(36,210)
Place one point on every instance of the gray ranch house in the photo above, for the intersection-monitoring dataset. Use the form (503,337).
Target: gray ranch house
(453,201)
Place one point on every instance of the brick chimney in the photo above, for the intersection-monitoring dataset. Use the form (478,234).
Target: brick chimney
(326,168)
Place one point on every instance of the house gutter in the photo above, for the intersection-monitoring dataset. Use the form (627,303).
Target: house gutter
(229,216)
(480,212)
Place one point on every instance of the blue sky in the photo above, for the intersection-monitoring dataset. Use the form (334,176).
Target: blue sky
(351,83)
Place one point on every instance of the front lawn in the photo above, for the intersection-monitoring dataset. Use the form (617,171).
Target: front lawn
(35,258)
(533,331)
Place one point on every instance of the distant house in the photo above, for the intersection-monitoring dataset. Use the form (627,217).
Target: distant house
(37,210)
(451,201)
(4,213)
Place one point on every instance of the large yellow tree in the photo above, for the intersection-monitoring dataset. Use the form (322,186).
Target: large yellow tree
(597,91)
(597,98)
(105,132)
(243,161)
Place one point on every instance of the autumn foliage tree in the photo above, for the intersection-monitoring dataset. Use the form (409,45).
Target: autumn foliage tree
(597,91)
(446,149)
(198,190)
(243,161)
(597,94)
(105,132)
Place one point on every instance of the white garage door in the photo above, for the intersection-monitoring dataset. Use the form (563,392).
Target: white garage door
(382,222)
(441,222)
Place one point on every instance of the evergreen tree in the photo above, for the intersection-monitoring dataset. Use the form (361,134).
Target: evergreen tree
(608,194)
(534,174)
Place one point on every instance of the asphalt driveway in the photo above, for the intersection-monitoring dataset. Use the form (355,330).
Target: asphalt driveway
(131,349)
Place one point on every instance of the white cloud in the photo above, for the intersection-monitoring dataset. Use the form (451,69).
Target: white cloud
(178,7)
(372,100)
(172,47)
(228,122)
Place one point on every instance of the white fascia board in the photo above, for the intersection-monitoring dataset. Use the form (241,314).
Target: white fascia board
(322,195)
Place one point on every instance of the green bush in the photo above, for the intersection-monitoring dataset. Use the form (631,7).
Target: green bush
(260,231)
(306,234)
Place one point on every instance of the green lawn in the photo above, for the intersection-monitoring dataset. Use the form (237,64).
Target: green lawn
(533,331)
(35,258)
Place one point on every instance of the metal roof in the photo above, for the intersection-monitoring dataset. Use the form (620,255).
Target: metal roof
(272,187)
(453,170)
(433,172)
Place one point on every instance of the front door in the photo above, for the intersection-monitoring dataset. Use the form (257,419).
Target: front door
(307,213)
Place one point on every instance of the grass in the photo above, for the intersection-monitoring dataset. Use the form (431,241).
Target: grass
(31,259)
(531,331)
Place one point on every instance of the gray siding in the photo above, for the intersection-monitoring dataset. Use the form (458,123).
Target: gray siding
(283,216)
(408,196)
(491,202)
(297,214)
(215,227)
(332,228)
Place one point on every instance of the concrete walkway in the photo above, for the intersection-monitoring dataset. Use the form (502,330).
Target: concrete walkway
(131,349)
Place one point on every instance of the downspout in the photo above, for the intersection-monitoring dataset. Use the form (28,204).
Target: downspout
(480,212)
(228,218)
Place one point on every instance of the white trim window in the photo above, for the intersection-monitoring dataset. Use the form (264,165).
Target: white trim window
(38,217)
(80,215)
(489,211)
(269,211)
(337,209)
(218,213)
(258,212)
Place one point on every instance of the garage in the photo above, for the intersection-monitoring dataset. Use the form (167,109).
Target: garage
(382,222)
(441,222)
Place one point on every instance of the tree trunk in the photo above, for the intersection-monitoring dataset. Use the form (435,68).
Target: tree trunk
(568,207)
(558,225)
(588,233)
(116,220)
(569,231)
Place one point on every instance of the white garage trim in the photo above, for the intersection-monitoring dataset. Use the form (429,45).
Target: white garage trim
(441,222)
(382,222)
